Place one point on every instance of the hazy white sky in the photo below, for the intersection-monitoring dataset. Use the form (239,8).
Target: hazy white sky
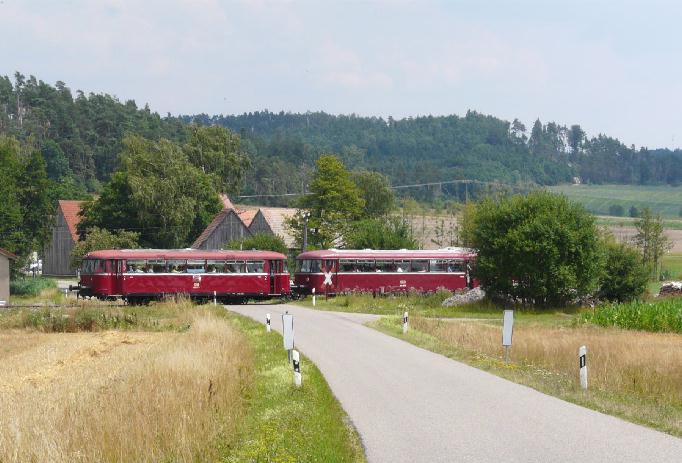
(612,66)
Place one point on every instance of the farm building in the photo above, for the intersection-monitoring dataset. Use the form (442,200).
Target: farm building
(229,224)
(237,222)
(64,236)
(5,257)
(272,220)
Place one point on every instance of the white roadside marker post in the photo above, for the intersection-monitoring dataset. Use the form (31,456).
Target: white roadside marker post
(297,369)
(313,297)
(288,333)
(405,322)
(582,361)
(507,331)
(215,300)
(268,328)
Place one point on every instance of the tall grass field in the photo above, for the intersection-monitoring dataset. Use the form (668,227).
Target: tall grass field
(663,199)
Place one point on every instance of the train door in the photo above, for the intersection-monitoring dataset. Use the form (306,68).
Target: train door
(117,272)
(274,268)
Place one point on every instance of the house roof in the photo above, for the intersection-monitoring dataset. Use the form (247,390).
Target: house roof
(70,209)
(247,215)
(275,217)
(8,254)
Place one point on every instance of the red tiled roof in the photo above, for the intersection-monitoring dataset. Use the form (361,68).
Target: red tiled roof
(8,254)
(247,215)
(70,209)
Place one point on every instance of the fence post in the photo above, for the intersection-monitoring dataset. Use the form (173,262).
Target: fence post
(297,369)
(582,361)
(405,322)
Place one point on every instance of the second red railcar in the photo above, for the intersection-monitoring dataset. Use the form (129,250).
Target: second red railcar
(336,271)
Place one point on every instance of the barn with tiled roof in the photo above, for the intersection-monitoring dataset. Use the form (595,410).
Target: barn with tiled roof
(57,260)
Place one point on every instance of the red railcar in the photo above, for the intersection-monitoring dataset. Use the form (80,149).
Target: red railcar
(336,270)
(140,275)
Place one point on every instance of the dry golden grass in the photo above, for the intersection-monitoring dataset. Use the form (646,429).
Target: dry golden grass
(122,396)
(647,364)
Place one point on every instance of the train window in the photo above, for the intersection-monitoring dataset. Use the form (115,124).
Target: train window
(402,266)
(285,267)
(346,265)
(135,266)
(385,266)
(310,266)
(85,266)
(177,266)
(196,266)
(420,265)
(235,266)
(458,266)
(439,265)
(365,266)
(254,266)
(156,266)
(215,266)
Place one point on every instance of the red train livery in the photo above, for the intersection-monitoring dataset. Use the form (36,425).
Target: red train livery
(340,270)
(140,275)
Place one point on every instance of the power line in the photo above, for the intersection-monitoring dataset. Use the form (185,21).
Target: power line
(396,187)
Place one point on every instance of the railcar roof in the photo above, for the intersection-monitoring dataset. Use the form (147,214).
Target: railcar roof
(446,253)
(182,254)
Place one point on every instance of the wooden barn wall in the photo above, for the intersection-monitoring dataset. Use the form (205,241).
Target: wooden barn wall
(260,225)
(231,228)
(58,250)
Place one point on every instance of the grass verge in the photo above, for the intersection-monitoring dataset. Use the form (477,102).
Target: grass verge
(285,423)
(635,376)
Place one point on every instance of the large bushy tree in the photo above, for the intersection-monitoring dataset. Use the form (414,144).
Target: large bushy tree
(624,276)
(157,193)
(376,192)
(540,249)
(333,202)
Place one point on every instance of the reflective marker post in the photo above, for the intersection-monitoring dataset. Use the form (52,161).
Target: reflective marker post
(582,361)
(405,322)
(288,333)
(507,330)
(215,300)
(268,328)
(297,369)
(313,297)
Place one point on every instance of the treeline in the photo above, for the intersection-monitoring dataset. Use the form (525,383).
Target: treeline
(431,149)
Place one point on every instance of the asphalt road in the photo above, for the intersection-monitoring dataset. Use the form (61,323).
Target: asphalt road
(411,405)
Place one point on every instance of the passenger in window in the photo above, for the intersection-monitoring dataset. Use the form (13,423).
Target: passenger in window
(175,269)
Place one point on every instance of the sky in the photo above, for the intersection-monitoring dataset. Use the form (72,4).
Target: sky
(614,67)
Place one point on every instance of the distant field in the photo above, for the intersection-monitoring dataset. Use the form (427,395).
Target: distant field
(665,200)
